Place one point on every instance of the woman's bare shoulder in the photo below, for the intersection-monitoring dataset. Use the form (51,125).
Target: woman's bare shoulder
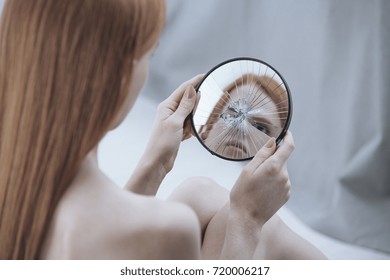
(106,222)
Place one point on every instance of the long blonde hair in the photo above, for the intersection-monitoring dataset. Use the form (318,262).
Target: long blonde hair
(65,70)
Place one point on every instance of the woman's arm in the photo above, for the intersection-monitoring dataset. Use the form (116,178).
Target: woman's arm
(147,176)
(262,188)
(170,128)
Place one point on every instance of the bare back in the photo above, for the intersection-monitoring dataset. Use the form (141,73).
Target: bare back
(97,220)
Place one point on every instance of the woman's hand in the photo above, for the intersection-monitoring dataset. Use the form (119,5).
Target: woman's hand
(263,186)
(171,125)
(170,128)
(261,189)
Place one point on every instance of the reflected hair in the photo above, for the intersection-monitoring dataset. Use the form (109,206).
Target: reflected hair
(65,71)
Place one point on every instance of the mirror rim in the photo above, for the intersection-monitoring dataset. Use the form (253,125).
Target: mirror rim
(289,114)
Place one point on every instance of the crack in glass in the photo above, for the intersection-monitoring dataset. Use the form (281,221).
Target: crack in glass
(241,104)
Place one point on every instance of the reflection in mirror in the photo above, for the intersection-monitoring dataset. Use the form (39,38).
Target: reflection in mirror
(241,104)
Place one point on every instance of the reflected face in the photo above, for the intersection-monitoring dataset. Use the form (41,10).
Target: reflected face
(244,120)
(242,103)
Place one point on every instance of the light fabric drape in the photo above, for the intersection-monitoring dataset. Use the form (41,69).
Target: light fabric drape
(335,56)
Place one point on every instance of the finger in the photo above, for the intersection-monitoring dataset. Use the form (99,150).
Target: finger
(263,154)
(188,131)
(288,189)
(178,93)
(198,94)
(284,174)
(285,170)
(186,104)
(285,148)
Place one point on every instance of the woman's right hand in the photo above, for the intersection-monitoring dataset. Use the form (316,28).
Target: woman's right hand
(263,186)
(170,128)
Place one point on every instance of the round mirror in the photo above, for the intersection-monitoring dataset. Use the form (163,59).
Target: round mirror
(241,104)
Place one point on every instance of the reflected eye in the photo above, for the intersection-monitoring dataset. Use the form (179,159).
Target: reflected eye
(261,127)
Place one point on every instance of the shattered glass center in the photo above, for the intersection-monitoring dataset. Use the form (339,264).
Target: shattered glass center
(235,113)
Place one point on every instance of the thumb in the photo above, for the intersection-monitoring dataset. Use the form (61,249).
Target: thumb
(264,153)
(186,104)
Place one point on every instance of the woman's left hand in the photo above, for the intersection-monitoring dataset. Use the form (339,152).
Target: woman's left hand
(171,124)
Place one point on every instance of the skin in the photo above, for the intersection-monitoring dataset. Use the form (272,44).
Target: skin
(97,220)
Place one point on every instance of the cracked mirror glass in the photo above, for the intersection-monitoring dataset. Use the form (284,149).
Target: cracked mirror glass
(241,104)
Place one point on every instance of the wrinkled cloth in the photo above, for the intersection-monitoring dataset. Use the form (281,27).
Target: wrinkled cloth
(335,57)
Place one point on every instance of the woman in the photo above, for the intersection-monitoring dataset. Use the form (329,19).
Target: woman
(70,72)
